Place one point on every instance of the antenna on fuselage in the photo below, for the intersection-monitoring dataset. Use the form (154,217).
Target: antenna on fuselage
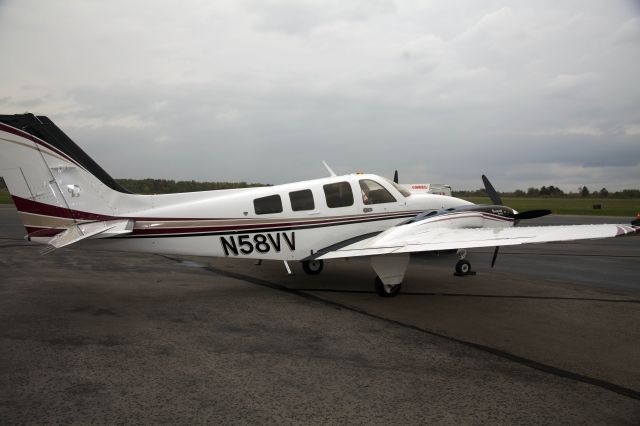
(331,172)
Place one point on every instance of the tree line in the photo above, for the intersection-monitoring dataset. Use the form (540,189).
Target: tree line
(169,186)
(555,192)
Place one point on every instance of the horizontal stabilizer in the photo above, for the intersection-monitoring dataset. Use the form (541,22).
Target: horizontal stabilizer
(82,231)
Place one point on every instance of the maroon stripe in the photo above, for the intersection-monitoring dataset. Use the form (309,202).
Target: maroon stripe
(47,232)
(452,216)
(502,218)
(23,134)
(236,228)
(30,206)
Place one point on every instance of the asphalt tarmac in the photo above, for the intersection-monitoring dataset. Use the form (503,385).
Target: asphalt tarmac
(550,335)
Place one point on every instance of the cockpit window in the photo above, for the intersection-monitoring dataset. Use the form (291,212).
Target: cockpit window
(374,193)
(400,189)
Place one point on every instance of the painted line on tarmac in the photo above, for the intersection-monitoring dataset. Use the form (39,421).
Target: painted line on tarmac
(621,390)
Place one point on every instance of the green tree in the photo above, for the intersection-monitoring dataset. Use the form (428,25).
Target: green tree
(533,192)
(584,192)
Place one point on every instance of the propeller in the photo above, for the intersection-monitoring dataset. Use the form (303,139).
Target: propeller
(531,214)
(395,177)
(495,198)
(491,192)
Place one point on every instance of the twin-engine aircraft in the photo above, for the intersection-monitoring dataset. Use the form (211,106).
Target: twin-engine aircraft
(64,198)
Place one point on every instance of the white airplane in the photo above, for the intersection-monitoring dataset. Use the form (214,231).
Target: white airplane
(63,198)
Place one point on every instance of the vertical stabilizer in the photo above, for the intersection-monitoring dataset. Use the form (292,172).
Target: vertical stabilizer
(52,181)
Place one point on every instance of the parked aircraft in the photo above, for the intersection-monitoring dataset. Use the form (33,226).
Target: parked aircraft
(64,198)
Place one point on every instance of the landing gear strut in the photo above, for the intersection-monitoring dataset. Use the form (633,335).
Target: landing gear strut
(386,290)
(312,267)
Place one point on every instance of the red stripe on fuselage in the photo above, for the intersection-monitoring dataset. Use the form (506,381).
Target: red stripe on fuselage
(35,207)
(30,206)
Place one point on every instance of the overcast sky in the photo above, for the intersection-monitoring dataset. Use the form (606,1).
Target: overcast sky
(530,93)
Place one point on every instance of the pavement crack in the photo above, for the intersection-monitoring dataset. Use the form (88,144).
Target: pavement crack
(624,256)
(496,296)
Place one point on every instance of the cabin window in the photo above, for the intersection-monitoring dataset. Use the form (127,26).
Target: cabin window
(266,205)
(302,200)
(338,194)
(374,193)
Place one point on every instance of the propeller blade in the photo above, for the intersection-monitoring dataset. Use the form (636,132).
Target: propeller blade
(531,214)
(495,198)
(495,255)
(395,177)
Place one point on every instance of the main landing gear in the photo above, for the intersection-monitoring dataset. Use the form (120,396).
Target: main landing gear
(463,267)
(312,267)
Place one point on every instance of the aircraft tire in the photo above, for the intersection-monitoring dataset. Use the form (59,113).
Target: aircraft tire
(385,291)
(463,267)
(312,267)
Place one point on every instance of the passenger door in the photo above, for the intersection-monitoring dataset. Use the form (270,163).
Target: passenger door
(375,198)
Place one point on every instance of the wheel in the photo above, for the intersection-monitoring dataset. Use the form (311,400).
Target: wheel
(386,290)
(463,267)
(312,267)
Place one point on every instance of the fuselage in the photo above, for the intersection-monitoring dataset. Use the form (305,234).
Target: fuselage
(284,222)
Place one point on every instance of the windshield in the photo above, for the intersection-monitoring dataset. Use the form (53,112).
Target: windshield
(400,189)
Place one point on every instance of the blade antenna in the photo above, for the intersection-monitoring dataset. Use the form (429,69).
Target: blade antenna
(491,192)
(331,172)
(395,177)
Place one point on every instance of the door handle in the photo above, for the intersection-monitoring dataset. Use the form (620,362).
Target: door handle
(367,209)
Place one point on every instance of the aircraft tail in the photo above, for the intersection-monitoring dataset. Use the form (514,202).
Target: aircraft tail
(53,183)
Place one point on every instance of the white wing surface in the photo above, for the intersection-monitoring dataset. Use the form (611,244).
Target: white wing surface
(409,239)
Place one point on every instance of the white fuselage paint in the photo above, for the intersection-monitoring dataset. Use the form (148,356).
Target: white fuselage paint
(294,236)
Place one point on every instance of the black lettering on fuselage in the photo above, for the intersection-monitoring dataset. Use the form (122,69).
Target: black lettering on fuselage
(261,243)
(229,246)
(275,243)
(290,242)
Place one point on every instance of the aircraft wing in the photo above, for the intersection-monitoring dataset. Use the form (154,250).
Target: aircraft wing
(414,239)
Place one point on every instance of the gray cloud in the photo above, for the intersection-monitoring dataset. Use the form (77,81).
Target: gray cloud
(262,91)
